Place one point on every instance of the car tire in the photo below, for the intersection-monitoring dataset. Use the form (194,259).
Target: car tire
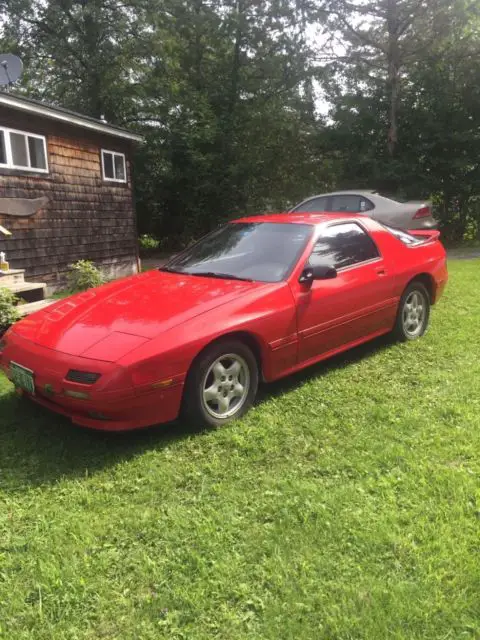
(221,385)
(413,313)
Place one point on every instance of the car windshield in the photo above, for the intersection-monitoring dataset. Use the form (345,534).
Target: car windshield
(261,251)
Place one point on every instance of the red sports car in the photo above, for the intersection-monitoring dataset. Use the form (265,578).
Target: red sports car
(257,299)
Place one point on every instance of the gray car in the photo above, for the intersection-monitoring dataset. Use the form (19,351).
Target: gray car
(404,215)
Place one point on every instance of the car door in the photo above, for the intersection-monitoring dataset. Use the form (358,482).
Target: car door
(357,303)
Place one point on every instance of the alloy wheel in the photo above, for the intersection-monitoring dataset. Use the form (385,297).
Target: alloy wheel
(225,386)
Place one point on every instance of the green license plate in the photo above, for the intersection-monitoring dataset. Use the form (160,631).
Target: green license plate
(22,377)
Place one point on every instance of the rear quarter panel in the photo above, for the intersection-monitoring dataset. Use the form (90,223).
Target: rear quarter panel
(409,262)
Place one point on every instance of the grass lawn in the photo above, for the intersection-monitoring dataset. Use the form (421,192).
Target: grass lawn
(346,505)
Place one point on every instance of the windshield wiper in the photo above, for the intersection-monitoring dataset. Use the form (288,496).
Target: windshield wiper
(215,274)
(169,270)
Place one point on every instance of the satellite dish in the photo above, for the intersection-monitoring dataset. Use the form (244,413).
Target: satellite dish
(10,69)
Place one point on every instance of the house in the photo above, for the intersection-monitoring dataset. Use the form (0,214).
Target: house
(65,192)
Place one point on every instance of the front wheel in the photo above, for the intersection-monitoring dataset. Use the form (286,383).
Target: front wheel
(413,313)
(221,385)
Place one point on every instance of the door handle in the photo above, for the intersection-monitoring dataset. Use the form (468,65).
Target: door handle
(381,271)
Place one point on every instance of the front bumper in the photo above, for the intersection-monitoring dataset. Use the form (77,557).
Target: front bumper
(156,408)
(106,409)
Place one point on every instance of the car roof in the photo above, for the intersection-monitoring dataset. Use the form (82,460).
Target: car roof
(302,218)
(358,192)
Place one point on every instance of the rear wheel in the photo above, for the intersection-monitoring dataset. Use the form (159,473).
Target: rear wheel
(413,313)
(221,385)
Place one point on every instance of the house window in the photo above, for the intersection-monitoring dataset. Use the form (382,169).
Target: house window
(113,166)
(21,150)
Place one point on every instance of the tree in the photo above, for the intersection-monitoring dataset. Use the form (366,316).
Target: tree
(78,53)
(237,133)
(438,146)
(383,39)
(219,87)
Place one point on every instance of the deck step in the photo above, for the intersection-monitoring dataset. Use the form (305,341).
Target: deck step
(14,276)
(28,291)
(31,307)
(21,287)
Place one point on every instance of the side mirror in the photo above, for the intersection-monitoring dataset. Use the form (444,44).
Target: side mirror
(319,272)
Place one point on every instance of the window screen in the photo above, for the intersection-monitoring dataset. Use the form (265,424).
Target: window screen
(20,150)
(37,153)
(108,166)
(343,245)
(119,167)
(18,143)
(3,151)
(113,166)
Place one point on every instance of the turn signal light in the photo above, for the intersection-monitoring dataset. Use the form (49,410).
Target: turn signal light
(78,395)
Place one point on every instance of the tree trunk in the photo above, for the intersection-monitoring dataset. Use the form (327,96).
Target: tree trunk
(393,79)
(232,94)
(235,72)
(94,83)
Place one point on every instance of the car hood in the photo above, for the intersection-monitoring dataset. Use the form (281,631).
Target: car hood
(108,322)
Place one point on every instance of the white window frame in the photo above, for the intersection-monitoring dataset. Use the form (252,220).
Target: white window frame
(8,149)
(113,154)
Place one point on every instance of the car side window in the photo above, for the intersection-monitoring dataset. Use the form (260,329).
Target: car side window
(350,203)
(315,204)
(343,245)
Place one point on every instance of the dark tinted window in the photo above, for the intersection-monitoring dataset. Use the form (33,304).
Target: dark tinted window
(316,204)
(3,153)
(113,166)
(119,166)
(262,251)
(19,149)
(351,203)
(37,153)
(343,245)
(108,165)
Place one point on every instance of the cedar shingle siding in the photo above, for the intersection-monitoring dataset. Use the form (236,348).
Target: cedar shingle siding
(86,217)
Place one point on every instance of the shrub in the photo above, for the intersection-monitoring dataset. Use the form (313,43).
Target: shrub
(148,242)
(84,275)
(8,309)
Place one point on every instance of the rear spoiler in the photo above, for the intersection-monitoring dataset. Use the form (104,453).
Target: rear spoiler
(425,234)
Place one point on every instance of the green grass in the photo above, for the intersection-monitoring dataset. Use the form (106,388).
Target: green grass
(345,505)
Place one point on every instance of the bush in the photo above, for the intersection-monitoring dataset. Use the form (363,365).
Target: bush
(8,309)
(148,242)
(84,275)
